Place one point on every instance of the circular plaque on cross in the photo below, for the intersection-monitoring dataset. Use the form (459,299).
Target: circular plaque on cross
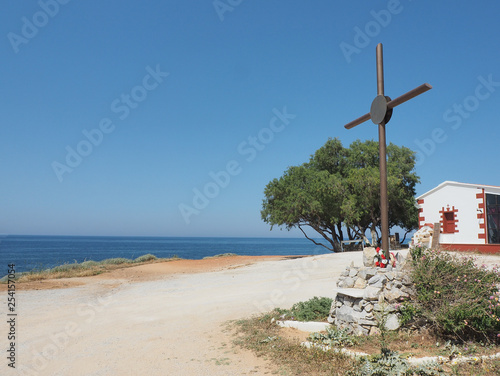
(378,109)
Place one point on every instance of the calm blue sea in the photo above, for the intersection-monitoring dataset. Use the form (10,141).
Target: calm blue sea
(42,252)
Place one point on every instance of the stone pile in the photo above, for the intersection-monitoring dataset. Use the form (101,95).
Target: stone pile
(365,293)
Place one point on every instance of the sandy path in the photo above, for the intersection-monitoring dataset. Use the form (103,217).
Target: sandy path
(170,325)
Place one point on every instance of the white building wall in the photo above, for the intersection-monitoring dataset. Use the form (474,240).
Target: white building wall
(461,198)
(492,190)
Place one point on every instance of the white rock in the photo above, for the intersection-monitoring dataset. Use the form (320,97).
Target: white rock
(368,255)
(371,293)
(392,322)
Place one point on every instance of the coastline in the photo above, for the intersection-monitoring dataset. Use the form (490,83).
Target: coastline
(151,271)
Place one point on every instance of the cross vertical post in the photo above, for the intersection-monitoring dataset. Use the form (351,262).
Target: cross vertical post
(380,113)
(382,145)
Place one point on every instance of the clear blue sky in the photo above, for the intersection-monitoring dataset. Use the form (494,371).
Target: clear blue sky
(170,91)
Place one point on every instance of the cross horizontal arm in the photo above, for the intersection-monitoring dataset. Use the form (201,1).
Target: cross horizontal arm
(411,94)
(358,121)
(391,104)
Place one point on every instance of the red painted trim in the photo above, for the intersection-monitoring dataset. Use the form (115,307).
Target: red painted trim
(482,248)
(482,208)
(421,218)
(455,220)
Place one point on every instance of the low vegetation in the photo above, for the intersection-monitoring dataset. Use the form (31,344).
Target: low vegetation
(221,255)
(90,267)
(315,309)
(265,338)
(87,268)
(458,298)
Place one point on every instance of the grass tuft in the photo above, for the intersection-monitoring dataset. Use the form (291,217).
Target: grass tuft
(116,261)
(221,255)
(146,258)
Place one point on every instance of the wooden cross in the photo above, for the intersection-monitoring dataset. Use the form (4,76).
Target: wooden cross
(380,113)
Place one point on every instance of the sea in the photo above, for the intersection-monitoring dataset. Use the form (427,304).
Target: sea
(43,252)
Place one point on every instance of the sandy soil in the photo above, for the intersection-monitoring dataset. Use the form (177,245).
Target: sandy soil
(150,272)
(160,319)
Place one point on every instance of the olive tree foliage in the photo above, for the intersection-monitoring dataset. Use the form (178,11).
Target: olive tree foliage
(339,188)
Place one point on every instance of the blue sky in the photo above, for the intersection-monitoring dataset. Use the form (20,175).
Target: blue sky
(116,113)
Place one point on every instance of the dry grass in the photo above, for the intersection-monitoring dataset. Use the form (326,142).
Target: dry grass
(282,347)
(87,268)
(266,339)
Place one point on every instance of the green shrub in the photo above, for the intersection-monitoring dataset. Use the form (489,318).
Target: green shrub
(66,267)
(417,252)
(408,312)
(334,337)
(89,264)
(391,364)
(221,255)
(116,261)
(457,296)
(144,258)
(315,309)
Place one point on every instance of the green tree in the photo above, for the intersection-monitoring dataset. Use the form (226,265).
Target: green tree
(339,188)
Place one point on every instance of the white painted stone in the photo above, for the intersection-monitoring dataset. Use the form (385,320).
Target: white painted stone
(304,326)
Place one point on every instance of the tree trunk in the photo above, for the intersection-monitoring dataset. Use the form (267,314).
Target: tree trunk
(374,235)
